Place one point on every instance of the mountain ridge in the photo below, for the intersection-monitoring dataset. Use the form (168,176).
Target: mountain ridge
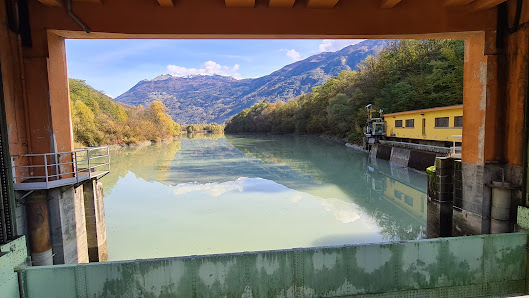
(215,98)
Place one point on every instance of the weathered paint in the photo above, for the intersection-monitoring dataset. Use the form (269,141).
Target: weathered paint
(467,266)
(59,93)
(523,217)
(518,60)
(12,255)
(478,81)
(39,228)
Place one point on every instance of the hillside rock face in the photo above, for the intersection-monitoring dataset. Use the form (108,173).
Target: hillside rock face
(206,99)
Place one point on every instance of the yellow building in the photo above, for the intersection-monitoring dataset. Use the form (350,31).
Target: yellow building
(435,124)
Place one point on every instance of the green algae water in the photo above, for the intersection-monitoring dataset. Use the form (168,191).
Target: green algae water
(209,194)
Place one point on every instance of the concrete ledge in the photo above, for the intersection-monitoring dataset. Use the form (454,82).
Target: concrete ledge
(420,147)
(464,266)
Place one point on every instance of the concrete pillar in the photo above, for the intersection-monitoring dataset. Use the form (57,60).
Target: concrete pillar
(95,221)
(515,101)
(39,229)
(59,93)
(440,198)
(68,225)
(482,136)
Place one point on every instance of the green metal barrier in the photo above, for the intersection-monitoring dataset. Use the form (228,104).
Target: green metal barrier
(463,266)
(12,255)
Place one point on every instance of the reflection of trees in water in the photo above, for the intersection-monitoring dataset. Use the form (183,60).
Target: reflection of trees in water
(147,162)
(201,136)
(331,163)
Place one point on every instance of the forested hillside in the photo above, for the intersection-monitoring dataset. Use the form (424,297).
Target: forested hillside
(207,99)
(97,119)
(406,75)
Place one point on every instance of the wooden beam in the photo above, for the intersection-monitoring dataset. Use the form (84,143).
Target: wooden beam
(456,2)
(485,4)
(239,3)
(281,3)
(389,3)
(51,2)
(61,2)
(89,1)
(322,3)
(166,3)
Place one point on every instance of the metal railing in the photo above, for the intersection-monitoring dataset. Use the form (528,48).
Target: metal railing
(50,170)
(455,151)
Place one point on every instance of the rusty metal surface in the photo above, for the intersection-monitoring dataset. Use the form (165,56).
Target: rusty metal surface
(462,266)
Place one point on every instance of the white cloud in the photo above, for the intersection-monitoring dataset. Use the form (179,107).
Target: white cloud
(332,45)
(208,68)
(294,55)
(213,189)
(344,212)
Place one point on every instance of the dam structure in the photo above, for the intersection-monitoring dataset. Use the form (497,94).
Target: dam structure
(53,239)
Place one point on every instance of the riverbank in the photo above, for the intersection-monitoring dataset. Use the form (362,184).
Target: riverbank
(356,147)
(326,137)
(149,143)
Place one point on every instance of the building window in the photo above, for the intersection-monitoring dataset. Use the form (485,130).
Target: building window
(398,123)
(442,122)
(410,123)
(458,121)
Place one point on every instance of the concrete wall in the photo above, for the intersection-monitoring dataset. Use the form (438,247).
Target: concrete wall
(404,157)
(466,266)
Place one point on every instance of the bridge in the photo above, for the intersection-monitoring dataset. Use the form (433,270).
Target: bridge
(59,225)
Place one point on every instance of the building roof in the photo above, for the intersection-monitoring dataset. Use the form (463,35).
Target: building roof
(426,110)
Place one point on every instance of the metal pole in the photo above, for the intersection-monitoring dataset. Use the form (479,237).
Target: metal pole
(75,170)
(108,158)
(57,167)
(88,158)
(46,169)
(14,170)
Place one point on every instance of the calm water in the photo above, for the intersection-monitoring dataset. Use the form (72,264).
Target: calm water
(217,194)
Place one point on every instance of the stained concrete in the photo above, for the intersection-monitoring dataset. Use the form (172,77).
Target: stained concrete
(68,225)
(95,221)
(400,156)
(484,265)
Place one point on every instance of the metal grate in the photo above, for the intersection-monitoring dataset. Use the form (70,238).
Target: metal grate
(7,221)
(7,228)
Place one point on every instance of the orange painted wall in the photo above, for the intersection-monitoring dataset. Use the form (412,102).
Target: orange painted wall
(518,60)
(475,97)
(12,73)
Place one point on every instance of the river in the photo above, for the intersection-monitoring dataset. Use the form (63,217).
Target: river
(209,194)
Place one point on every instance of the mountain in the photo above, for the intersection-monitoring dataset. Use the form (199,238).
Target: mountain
(206,99)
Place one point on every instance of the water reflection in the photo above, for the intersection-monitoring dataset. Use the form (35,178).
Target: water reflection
(224,194)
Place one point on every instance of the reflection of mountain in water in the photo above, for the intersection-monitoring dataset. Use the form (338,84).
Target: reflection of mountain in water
(311,165)
(206,161)
(397,205)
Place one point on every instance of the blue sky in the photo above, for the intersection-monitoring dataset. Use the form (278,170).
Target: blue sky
(114,66)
